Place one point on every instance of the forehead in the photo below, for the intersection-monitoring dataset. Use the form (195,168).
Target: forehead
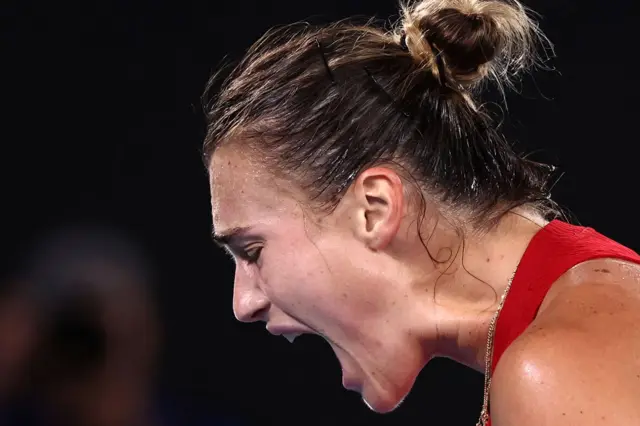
(243,192)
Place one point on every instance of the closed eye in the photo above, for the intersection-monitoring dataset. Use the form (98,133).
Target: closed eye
(231,242)
(252,254)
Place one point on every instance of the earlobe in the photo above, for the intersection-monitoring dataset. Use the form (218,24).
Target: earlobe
(380,193)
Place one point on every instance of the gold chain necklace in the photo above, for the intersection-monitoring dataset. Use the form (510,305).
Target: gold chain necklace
(484,414)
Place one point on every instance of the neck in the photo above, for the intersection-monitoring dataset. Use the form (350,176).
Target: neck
(463,302)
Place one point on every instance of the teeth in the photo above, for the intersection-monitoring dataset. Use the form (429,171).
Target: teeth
(291,336)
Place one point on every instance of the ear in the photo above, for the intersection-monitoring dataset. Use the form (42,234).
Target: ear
(379,199)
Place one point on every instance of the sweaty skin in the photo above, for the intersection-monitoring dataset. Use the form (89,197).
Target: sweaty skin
(361,278)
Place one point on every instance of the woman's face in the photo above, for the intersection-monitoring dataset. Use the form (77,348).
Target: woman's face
(300,273)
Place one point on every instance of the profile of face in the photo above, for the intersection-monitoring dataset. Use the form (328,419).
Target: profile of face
(337,275)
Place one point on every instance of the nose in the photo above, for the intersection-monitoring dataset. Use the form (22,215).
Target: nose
(250,304)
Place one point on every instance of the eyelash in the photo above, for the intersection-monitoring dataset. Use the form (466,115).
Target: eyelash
(252,256)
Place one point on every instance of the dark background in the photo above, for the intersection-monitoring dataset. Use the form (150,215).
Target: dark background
(102,122)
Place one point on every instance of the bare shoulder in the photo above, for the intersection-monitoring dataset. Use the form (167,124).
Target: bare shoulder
(579,362)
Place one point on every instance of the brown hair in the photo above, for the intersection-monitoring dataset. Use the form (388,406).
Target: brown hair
(322,104)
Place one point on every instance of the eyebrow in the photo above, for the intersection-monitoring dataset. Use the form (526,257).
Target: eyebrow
(228,237)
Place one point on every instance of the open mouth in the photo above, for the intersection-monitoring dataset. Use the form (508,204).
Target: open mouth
(349,382)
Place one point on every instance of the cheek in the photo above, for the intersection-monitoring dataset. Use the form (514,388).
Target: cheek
(297,275)
(324,283)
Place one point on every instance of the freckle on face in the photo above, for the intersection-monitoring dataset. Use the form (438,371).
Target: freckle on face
(242,191)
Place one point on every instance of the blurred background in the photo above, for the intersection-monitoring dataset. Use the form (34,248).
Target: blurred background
(115,307)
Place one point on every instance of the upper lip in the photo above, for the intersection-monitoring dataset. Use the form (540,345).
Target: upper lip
(279,330)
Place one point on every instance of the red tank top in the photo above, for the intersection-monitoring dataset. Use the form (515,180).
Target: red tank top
(554,250)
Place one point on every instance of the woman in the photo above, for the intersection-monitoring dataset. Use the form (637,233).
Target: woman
(368,197)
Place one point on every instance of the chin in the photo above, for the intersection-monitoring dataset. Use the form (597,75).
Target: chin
(383,402)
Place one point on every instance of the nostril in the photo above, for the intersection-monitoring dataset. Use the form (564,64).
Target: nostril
(260,314)
(252,315)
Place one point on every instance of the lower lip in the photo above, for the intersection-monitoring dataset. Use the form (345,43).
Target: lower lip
(351,384)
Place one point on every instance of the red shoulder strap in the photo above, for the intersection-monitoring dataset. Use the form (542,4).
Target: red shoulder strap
(555,249)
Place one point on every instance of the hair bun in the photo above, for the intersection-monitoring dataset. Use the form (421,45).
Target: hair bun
(474,39)
(466,41)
